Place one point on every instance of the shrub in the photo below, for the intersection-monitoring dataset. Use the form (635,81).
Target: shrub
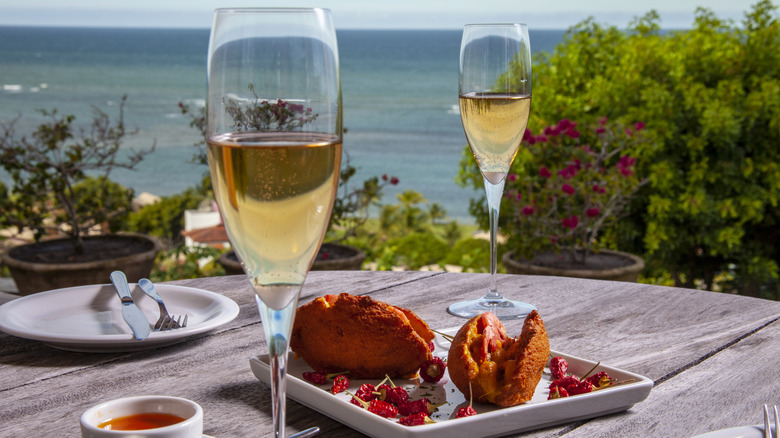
(472,254)
(710,98)
(416,250)
(165,219)
(48,165)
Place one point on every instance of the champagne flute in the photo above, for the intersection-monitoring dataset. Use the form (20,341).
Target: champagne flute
(494,91)
(274,134)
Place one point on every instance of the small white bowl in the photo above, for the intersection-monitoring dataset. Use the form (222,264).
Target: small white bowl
(191,427)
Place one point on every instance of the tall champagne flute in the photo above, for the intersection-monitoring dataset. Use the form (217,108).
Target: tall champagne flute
(274,134)
(495,101)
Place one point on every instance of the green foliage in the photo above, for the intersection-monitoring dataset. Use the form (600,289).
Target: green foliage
(182,263)
(165,219)
(104,199)
(47,165)
(710,98)
(575,181)
(197,121)
(351,208)
(416,250)
(470,253)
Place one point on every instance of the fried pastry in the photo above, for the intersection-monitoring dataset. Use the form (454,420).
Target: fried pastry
(367,338)
(500,369)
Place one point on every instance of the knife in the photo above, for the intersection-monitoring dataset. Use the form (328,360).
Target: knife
(130,312)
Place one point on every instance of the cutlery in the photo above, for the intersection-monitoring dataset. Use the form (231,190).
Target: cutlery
(768,424)
(166,321)
(130,312)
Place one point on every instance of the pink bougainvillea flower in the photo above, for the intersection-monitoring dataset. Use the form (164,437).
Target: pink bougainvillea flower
(600,130)
(544,172)
(573,133)
(552,131)
(638,126)
(527,135)
(512,177)
(570,222)
(394,181)
(567,189)
(592,212)
(541,138)
(629,132)
(598,189)
(627,161)
(384,177)
(625,164)
(568,172)
(603,120)
(528,210)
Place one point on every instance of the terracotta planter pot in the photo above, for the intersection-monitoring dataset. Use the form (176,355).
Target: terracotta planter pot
(604,265)
(331,257)
(51,264)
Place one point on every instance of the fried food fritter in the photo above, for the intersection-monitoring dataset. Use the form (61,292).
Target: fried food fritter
(501,370)
(368,338)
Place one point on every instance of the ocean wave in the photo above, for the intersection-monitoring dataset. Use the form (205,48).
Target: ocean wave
(453,109)
(12,88)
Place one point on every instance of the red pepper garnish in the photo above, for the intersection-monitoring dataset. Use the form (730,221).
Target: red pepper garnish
(558,392)
(314,377)
(397,395)
(433,370)
(465,411)
(580,388)
(383,409)
(365,393)
(340,383)
(565,382)
(417,419)
(417,406)
(600,379)
(558,367)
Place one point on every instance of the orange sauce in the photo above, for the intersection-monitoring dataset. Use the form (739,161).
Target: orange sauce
(150,420)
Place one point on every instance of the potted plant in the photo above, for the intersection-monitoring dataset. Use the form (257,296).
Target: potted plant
(569,186)
(60,187)
(351,206)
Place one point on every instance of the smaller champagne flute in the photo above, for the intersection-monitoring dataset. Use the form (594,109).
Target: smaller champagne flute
(494,91)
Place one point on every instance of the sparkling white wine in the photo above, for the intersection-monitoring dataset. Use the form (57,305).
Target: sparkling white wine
(494,126)
(275,191)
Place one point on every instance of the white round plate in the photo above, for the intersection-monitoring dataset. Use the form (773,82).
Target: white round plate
(89,318)
(756,431)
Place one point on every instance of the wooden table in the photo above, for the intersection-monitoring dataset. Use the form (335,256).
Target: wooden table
(713,357)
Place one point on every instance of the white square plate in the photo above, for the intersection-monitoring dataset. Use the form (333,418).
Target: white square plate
(490,420)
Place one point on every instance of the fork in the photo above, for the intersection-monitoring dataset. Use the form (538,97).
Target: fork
(768,424)
(165,321)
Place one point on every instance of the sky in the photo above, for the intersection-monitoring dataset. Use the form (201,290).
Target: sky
(368,14)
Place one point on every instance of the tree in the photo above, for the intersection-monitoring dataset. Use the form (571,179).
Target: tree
(710,98)
(48,166)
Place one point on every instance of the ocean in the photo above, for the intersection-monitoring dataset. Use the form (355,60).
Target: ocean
(399,93)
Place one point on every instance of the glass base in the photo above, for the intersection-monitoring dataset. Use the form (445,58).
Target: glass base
(502,308)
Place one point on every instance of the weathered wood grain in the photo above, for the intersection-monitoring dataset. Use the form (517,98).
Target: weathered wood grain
(713,356)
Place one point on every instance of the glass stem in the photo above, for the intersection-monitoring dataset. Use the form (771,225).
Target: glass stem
(494,193)
(277,325)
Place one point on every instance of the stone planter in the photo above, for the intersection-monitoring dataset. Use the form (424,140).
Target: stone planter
(604,265)
(51,264)
(331,257)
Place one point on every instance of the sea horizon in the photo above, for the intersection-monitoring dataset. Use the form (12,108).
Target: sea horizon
(399,91)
